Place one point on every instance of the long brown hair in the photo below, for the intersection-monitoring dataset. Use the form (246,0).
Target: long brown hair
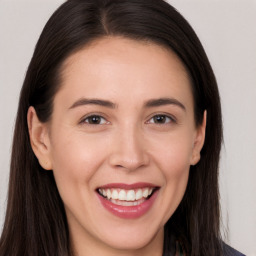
(35,222)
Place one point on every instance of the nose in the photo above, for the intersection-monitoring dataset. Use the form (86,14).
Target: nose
(128,150)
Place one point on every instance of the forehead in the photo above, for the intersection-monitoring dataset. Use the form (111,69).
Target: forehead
(116,66)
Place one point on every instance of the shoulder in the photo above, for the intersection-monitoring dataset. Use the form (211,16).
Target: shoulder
(229,251)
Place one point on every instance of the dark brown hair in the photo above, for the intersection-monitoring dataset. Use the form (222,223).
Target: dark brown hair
(35,222)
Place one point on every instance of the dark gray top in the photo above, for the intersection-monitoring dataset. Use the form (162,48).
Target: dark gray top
(229,251)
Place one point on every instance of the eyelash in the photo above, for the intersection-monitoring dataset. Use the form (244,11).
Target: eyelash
(163,117)
(85,120)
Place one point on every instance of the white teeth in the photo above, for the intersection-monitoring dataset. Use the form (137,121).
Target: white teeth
(108,193)
(139,194)
(145,193)
(130,196)
(122,195)
(128,203)
(114,194)
(126,195)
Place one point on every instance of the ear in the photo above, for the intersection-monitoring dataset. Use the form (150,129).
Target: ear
(199,141)
(39,139)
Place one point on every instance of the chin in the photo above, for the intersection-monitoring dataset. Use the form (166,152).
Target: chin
(130,243)
(128,239)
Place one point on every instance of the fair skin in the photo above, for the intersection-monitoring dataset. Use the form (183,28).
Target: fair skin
(133,137)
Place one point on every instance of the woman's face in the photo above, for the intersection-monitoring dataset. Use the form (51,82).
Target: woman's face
(122,128)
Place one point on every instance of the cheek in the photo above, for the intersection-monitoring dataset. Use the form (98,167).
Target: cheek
(75,158)
(175,165)
(173,153)
(173,159)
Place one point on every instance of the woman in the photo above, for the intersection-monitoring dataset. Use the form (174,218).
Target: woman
(117,137)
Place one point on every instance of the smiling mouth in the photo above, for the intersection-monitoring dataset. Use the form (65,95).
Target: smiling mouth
(127,197)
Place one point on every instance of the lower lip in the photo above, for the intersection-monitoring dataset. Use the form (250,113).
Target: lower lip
(128,212)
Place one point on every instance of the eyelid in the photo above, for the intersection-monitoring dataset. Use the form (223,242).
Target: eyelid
(101,115)
(171,117)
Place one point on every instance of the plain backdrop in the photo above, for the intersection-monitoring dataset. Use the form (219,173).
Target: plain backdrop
(227,29)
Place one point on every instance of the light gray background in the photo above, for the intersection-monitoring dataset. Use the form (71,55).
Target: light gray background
(227,29)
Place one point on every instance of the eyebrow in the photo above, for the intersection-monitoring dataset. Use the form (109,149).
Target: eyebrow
(164,101)
(84,101)
(148,104)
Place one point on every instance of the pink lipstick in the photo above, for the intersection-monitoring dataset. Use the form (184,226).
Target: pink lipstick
(128,200)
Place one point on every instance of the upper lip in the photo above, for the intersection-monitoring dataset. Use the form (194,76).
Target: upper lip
(129,186)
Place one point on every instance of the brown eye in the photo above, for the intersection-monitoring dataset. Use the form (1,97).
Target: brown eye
(161,119)
(95,120)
